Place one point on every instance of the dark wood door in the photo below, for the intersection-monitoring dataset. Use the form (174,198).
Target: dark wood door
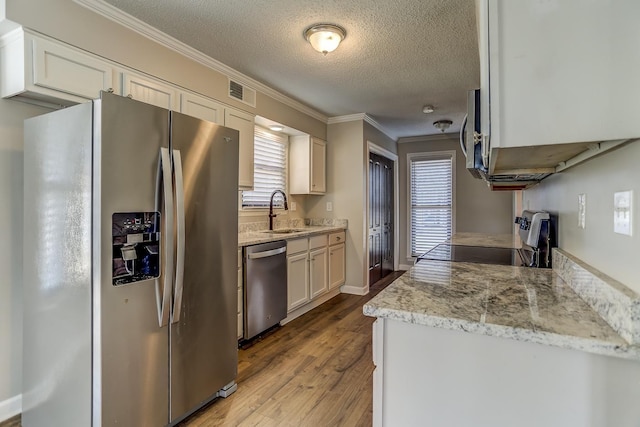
(380,217)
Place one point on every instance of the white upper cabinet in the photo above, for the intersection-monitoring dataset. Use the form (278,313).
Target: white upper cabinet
(47,72)
(149,90)
(557,74)
(202,108)
(243,123)
(208,109)
(307,165)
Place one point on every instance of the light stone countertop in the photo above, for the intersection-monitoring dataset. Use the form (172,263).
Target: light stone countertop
(488,240)
(263,236)
(519,303)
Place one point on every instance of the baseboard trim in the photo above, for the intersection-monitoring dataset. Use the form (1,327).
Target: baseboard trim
(310,306)
(354,290)
(10,408)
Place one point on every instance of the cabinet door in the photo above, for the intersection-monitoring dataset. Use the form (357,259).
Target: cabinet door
(336,265)
(151,91)
(240,296)
(297,280)
(202,108)
(244,123)
(550,82)
(318,166)
(69,71)
(319,282)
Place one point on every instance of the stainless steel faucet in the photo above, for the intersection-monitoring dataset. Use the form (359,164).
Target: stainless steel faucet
(271,214)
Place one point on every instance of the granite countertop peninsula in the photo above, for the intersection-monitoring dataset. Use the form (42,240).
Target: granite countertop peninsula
(258,232)
(519,303)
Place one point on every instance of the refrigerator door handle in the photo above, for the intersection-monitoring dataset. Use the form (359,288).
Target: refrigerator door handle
(180,233)
(163,296)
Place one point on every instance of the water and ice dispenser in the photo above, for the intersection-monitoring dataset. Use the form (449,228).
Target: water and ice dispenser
(136,247)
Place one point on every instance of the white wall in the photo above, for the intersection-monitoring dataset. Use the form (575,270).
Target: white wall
(345,189)
(614,254)
(12,115)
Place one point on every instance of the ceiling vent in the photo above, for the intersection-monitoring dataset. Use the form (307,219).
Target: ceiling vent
(242,93)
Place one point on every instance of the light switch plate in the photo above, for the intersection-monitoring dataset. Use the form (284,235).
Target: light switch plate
(293,206)
(622,212)
(582,210)
(329,206)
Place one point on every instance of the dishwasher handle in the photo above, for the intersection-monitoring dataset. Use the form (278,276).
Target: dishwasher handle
(265,254)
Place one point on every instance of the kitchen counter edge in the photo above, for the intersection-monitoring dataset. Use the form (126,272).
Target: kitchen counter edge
(257,237)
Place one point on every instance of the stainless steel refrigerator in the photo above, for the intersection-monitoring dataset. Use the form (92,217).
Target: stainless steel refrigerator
(130,265)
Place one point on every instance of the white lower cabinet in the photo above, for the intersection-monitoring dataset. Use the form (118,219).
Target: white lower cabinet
(297,280)
(336,259)
(318,265)
(307,270)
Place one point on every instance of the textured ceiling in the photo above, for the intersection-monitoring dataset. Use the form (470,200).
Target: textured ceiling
(397,56)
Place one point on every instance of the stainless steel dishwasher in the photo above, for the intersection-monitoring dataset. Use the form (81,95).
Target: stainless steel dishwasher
(265,286)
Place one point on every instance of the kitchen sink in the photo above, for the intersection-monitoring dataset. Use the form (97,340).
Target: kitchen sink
(283,231)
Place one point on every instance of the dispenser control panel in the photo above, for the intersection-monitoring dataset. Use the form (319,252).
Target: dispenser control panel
(136,247)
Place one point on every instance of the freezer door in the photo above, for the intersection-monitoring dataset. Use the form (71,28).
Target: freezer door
(203,330)
(56,290)
(131,356)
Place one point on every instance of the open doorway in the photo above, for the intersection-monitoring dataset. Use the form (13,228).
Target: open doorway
(381,213)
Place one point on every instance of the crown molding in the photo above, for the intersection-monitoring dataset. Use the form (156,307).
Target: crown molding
(364,117)
(134,24)
(427,138)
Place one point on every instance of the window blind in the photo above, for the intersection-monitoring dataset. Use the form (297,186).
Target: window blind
(270,169)
(431,201)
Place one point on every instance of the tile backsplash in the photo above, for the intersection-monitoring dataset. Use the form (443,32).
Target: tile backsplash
(291,223)
(617,304)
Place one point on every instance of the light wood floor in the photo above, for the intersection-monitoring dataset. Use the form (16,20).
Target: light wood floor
(314,371)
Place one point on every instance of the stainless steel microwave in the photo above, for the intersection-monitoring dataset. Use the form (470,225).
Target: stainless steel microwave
(470,137)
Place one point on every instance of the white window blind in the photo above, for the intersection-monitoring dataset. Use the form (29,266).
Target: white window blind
(431,201)
(270,169)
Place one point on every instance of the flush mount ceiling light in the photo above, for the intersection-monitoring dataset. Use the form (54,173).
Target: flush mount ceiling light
(276,128)
(428,109)
(325,38)
(443,124)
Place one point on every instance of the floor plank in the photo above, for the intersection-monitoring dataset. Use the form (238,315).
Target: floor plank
(314,371)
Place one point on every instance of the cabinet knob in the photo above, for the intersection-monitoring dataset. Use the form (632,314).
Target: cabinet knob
(338,238)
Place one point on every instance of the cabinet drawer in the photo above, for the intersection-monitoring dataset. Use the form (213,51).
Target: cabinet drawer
(239,257)
(335,238)
(317,241)
(240,301)
(298,245)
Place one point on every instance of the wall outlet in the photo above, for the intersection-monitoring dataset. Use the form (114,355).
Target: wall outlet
(293,206)
(582,210)
(622,212)
(329,206)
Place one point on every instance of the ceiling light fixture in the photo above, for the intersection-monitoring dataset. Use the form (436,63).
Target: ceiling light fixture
(443,124)
(276,128)
(325,38)
(428,109)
